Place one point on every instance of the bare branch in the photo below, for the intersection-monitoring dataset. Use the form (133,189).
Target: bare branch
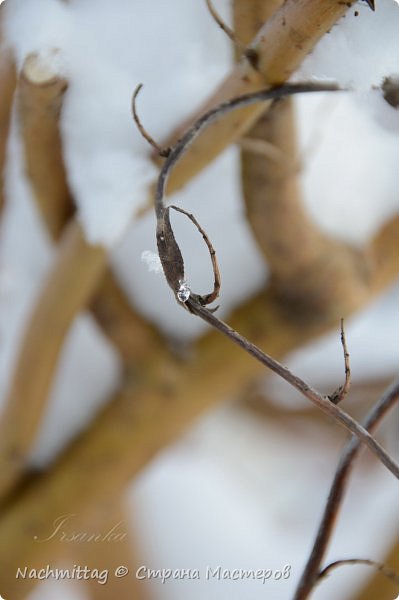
(169,251)
(304,388)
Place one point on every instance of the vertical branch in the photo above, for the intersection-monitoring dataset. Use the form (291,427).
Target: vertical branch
(283,230)
(310,272)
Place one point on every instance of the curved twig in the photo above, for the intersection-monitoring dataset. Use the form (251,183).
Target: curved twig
(161,151)
(209,298)
(173,265)
(350,452)
(169,251)
(386,571)
(224,27)
(250,53)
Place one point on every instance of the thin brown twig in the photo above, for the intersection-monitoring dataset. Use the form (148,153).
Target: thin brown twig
(224,27)
(350,452)
(304,388)
(209,298)
(159,149)
(173,266)
(343,390)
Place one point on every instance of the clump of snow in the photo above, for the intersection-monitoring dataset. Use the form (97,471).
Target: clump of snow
(349,164)
(39,26)
(152,260)
(352,53)
(109,166)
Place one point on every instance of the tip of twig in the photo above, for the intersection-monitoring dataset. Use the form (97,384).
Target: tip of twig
(371,4)
(227,30)
(340,393)
(161,151)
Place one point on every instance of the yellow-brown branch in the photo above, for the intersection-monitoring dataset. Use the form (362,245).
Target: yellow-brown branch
(40,96)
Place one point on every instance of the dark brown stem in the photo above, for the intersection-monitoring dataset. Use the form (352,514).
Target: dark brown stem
(209,298)
(169,251)
(350,452)
(173,266)
(304,388)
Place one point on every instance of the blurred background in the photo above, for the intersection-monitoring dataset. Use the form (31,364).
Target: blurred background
(130,435)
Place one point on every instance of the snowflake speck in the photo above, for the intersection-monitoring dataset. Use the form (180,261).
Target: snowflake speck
(183,293)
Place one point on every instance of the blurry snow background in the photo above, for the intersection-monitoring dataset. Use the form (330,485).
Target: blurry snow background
(224,494)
